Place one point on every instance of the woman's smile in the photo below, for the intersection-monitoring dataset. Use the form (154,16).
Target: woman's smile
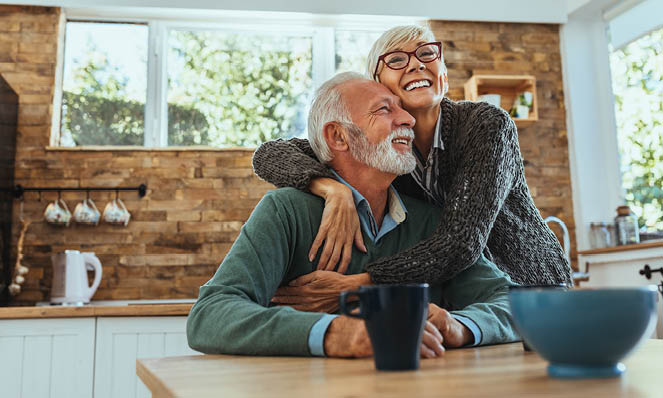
(417,84)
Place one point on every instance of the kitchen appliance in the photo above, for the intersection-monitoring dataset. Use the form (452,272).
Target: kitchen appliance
(8,122)
(70,282)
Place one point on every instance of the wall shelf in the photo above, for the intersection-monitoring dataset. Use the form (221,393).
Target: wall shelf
(508,87)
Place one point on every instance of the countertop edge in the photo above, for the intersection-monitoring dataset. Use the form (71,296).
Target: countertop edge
(95,311)
(623,248)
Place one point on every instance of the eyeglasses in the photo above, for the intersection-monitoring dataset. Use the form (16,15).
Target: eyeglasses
(396,60)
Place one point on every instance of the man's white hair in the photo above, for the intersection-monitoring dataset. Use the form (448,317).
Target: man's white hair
(328,106)
(395,38)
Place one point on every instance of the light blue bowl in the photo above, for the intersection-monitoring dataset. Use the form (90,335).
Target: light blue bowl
(584,333)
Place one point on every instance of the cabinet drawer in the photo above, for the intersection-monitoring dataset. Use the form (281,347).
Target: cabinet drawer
(626,273)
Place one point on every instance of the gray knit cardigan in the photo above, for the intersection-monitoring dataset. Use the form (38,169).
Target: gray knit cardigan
(487,205)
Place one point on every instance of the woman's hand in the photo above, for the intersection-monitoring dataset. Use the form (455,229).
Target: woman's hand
(318,291)
(339,227)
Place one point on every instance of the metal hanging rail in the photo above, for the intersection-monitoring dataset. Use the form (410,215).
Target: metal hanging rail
(20,190)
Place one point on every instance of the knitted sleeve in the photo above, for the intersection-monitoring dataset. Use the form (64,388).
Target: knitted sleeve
(489,160)
(290,163)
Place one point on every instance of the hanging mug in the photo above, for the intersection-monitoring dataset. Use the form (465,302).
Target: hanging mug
(57,213)
(87,213)
(116,213)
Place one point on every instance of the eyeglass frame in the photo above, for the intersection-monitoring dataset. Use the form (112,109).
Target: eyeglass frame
(409,56)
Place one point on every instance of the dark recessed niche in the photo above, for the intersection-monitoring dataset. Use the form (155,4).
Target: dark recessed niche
(8,122)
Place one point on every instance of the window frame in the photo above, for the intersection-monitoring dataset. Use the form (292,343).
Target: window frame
(321,29)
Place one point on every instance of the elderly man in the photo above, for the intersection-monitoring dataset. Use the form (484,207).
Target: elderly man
(359,129)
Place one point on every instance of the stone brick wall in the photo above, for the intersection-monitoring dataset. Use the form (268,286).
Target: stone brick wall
(198,200)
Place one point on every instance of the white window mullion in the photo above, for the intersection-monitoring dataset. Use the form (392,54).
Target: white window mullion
(156,111)
(162,41)
(324,53)
(151,119)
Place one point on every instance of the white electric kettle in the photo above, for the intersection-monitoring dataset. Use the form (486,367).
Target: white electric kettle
(70,283)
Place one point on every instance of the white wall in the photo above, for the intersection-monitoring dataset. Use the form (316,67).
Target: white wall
(593,152)
(540,11)
(636,22)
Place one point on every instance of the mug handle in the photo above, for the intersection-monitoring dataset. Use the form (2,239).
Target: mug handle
(121,203)
(126,212)
(91,204)
(343,302)
(63,205)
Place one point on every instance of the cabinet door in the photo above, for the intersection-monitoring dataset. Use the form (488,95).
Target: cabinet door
(617,270)
(46,357)
(120,341)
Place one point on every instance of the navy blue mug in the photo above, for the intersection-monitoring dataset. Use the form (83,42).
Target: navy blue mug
(395,317)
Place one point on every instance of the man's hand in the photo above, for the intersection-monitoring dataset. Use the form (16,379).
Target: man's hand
(347,337)
(318,291)
(454,333)
(431,344)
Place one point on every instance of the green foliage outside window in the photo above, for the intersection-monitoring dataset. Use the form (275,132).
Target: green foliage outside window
(637,75)
(95,120)
(250,88)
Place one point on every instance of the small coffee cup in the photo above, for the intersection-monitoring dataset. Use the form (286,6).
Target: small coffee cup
(87,213)
(57,213)
(395,317)
(116,213)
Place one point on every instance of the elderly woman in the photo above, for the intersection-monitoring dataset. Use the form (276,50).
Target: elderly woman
(468,163)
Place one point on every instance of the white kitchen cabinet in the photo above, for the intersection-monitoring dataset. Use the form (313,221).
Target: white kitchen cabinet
(120,341)
(46,357)
(84,357)
(622,269)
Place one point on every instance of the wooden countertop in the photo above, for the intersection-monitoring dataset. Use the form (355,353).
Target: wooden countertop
(95,310)
(638,246)
(492,371)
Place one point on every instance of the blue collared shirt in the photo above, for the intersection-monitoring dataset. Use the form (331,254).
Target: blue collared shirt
(397,214)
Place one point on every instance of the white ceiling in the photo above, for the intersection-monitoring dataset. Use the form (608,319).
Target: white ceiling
(538,11)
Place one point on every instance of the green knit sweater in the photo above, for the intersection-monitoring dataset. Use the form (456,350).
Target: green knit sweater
(233,313)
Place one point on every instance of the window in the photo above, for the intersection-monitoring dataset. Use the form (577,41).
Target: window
(158,83)
(104,84)
(352,48)
(637,79)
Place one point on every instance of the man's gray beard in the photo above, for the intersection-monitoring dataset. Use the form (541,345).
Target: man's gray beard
(383,156)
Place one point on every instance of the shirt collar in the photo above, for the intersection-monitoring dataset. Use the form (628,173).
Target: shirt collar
(397,209)
(437,138)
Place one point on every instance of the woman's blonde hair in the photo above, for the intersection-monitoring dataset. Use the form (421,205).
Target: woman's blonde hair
(394,38)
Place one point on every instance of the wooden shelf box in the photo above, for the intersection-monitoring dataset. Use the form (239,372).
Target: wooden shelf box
(508,87)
